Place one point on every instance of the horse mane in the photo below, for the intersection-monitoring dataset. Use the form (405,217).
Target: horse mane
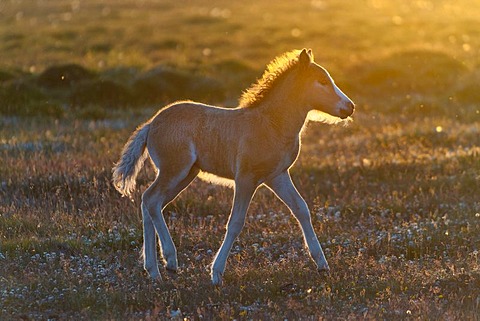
(275,71)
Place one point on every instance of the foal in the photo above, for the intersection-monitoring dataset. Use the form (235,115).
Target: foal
(252,145)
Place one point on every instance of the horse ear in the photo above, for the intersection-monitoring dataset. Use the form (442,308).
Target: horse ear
(310,53)
(304,58)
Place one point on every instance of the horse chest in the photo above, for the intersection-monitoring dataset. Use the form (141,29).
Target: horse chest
(291,153)
(267,162)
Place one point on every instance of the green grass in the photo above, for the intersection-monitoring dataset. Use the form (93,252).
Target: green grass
(394,196)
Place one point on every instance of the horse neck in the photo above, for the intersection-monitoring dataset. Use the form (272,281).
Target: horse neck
(285,110)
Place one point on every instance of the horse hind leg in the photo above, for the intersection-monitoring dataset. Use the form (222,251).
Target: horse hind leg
(162,191)
(149,246)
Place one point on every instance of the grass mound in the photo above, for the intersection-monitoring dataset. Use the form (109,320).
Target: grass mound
(466,90)
(64,76)
(77,88)
(5,76)
(166,84)
(22,98)
(409,72)
(101,92)
(417,83)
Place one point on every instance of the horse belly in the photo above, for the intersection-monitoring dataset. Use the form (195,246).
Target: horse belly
(214,179)
(216,162)
(215,168)
(216,145)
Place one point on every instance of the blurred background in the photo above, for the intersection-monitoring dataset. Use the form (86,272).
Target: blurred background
(409,57)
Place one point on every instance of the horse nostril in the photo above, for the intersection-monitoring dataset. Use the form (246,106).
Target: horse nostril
(346,109)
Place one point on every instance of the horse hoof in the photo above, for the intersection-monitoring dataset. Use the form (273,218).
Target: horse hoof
(154,274)
(171,265)
(217,279)
(324,272)
(171,268)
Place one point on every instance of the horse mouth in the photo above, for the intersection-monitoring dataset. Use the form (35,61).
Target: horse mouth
(345,113)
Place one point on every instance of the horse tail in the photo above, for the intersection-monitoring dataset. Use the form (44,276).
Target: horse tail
(131,161)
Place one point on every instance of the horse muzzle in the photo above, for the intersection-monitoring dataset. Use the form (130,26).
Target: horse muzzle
(346,109)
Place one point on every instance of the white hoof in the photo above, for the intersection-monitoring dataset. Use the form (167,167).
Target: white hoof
(216,278)
(170,260)
(154,273)
(323,268)
(171,264)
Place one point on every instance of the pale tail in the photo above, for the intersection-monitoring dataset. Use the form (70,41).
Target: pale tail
(131,161)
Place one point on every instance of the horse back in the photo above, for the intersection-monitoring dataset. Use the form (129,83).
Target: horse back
(224,141)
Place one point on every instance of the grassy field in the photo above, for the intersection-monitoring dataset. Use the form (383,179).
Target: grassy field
(394,196)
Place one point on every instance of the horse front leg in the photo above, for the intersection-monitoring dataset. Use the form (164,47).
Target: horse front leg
(284,188)
(244,191)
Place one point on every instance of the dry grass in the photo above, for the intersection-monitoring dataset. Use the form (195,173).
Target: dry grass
(394,196)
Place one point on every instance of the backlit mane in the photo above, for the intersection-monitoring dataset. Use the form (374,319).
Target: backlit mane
(277,68)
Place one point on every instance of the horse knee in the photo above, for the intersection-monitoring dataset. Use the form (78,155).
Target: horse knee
(152,203)
(145,210)
(234,228)
(146,202)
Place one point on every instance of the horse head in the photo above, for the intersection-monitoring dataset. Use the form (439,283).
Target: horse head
(321,92)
